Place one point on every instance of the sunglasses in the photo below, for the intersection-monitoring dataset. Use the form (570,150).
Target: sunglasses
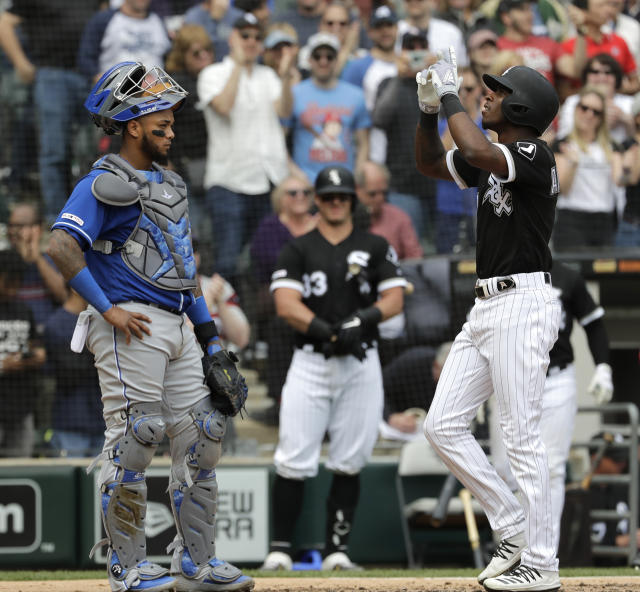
(255,36)
(338,23)
(196,53)
(329,197)
(585,108)
(329,56)
(595,71)
(294,192)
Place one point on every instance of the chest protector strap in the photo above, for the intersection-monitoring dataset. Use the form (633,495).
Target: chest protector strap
(159,248)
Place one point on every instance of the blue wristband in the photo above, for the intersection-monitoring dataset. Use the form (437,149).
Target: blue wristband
(204,326)
(85,285)
(198,312)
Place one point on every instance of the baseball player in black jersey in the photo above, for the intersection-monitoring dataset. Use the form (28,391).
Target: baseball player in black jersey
(333,286)
(559,400)
(504,346)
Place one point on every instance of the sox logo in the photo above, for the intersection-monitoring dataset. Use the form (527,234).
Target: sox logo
(498,196)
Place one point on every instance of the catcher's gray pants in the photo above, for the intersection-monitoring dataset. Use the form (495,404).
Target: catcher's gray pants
(164,368)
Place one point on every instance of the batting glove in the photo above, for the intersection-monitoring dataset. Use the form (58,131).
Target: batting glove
(601,385)
(428,99)
(444,74)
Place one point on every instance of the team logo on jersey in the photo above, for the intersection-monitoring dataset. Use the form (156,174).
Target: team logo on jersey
(391,255)
(527,149)
(555,185)
(499,197)
(73,218)
(356,260)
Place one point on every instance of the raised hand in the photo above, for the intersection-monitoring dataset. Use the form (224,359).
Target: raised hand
(428,99)
(444,74)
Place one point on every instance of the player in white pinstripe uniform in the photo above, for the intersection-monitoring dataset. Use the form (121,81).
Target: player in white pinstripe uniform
(333,285)
(504,346)
(559,405)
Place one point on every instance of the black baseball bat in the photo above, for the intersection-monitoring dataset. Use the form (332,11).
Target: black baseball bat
(439,514)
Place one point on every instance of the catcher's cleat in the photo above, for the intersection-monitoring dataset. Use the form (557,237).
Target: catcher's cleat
(277,561)
(526,579)
(144,577)
(505,557)
(339,561)
(214,576)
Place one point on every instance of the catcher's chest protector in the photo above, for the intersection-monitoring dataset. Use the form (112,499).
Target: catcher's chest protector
(159,248)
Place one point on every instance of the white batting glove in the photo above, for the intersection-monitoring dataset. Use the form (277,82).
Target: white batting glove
(428,100)
(601,385)
(444,74)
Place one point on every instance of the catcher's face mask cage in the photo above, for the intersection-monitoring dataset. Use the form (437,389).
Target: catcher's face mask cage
(129,90)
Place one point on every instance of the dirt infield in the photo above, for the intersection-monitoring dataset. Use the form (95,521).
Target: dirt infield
(614,584)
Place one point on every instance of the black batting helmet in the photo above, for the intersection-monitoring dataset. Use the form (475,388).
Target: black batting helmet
(336,179)
(532,100)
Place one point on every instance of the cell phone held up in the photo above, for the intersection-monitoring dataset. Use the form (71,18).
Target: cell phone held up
(417,58)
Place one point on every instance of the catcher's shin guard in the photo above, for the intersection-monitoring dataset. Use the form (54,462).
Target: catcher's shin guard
(194,494)
(124,502)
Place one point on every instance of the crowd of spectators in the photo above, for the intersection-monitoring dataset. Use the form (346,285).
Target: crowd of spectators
(278,90)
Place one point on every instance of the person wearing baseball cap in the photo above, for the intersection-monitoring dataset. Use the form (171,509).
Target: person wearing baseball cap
(328,113)
(242,102)
(280,41)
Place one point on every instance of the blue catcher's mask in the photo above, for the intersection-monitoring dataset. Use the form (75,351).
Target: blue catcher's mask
(129,90)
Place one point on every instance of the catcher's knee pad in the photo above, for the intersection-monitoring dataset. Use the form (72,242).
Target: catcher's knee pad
(194,494)
(212,425)
(123,488)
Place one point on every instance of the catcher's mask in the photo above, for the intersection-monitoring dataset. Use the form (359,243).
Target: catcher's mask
(532,100)
(129,90)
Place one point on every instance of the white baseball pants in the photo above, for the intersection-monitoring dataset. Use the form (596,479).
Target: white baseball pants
(504,349)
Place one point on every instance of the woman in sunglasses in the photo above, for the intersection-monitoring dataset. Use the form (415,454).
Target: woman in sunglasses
(292,202)
(589,172)
(603,71)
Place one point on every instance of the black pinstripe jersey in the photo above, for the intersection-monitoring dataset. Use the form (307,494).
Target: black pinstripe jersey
(515,214)
(337,280)
(577,304)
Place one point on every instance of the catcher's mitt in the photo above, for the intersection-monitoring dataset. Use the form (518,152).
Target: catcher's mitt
(228,387)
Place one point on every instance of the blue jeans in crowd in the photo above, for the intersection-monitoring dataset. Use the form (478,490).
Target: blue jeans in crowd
(76,444)
(235,217)
(628,235)
(58,97)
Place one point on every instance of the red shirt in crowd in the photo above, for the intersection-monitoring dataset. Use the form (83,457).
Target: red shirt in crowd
(539,53)
(612,44)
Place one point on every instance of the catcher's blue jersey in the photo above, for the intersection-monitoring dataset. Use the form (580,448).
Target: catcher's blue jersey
(87,220)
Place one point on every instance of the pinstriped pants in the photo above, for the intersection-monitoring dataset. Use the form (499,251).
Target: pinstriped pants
(503,348)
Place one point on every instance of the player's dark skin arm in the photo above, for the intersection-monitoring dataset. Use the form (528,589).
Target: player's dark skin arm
(477,150)
(69,259)
(471,142)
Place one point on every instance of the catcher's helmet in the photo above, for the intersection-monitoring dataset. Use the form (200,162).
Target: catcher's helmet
(129,90)
(336,179)
(532,100)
